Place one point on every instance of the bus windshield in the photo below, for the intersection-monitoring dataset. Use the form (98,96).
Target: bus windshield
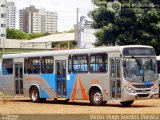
(138,69)
(158,66)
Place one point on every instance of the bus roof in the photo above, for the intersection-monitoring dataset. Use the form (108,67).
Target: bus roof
(74,51)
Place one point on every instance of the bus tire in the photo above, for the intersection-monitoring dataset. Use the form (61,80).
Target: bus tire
(96,98)
(34,94)
(127,103)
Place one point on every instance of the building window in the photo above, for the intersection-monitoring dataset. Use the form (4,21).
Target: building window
(3,5)
(7,67)
(3,15)
(3,35)
(80,63)
(47,65)
(3,25)
(98,62)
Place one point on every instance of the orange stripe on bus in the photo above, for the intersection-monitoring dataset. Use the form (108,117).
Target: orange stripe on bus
(78,81)
(74,91)
(83,91)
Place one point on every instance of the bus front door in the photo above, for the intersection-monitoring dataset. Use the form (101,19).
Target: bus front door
(61,78)
(115,78)
(18,75)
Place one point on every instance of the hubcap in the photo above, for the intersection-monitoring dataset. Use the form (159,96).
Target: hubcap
(97,97)
(34,95)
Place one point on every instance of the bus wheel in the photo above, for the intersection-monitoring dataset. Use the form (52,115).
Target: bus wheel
(127,103)
(96,98)
(34,94)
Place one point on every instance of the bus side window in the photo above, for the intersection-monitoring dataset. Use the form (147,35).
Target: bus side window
(158,64)
(29,66)
(33,65)
(80,63)
(47,65)
(69,64)
(36,66)
(98,62)
(25,65)
(7,67)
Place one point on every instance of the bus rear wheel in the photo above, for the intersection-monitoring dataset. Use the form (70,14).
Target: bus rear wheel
(127,103)
(96,98)
(34,94)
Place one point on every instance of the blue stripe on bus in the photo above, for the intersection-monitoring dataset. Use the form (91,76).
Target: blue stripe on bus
(50,79)
(43,94)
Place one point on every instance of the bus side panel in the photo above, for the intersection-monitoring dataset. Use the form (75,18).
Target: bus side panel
(49,87)
(71,79)
(8,84)
(45,83)
(78,86)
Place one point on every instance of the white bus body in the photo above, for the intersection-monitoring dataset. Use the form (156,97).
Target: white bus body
(119,73)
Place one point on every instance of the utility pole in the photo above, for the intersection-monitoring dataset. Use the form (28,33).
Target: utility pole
(77,15)
(77,25)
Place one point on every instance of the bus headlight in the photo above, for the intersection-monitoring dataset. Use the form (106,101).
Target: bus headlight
(155,88)
(129,89)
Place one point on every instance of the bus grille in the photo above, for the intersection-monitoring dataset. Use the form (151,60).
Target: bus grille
(143,91)
(143,95)
(143,86)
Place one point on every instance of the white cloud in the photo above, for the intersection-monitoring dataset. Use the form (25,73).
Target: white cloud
(66,9)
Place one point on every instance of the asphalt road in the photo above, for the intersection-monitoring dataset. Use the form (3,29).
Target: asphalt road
(20,105)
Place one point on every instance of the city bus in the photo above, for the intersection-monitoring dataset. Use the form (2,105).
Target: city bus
(158,70)
(115,73)
(158,65)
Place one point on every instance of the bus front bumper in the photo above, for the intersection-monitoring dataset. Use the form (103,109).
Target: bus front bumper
(139,96)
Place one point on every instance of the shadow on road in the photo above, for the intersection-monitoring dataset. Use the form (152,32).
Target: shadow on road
(78,103)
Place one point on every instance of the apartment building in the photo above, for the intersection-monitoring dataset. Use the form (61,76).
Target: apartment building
(11,15)
(37,20)
(2,22)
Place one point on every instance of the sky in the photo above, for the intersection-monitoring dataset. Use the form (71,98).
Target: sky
(66,10)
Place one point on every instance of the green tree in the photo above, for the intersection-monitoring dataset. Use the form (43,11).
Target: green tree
(128,25)
(36,35)
(71,31)
(18,34)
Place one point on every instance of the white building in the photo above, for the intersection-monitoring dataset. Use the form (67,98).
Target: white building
(85,23)
(45,42)
(37,20)
(11,15)
(86,37)
(2,22)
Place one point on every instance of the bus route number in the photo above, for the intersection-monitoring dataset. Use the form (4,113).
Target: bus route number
(94,81)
